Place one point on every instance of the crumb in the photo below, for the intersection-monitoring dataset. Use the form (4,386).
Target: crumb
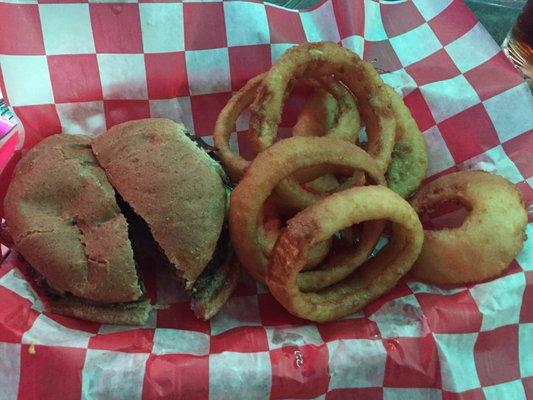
(31,349)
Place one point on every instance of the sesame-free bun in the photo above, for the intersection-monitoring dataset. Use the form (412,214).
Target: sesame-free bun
(63,218)
(169,182)
(135,313)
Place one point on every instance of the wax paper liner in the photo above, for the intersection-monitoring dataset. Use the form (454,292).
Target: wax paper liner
(83,67)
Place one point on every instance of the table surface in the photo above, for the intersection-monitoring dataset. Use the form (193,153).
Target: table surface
(497,16)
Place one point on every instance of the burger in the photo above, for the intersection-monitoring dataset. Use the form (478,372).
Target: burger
(81,212)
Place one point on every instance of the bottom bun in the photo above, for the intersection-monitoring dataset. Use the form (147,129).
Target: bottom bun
(134,313)
(212,290)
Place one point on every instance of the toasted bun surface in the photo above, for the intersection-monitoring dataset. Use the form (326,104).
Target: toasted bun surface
(171,183)
(63,217)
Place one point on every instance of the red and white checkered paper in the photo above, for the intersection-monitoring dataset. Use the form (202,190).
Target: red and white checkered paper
(83,67)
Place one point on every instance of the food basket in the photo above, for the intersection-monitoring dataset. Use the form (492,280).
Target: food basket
(81,67)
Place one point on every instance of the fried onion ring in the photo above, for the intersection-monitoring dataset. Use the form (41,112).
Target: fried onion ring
(269,230)
(317,115)
(345,124)
(323,184)
(312,60)
(374,278)
(409,160)
(234,164)
(330,111)
(266,171)
(343,262)
(490,237)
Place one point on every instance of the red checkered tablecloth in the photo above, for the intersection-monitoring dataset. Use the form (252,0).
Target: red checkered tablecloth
(84,66)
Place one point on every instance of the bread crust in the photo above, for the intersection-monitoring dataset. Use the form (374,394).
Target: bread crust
(62,215)
(171,183)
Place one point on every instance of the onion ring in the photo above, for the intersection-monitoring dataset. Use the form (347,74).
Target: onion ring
(490,237)
(317,115)
(323,184)
(312,60)
(269,230)
(374,278)
(234,164)
(409,160)
(330,111)
(266,171)
(343,262)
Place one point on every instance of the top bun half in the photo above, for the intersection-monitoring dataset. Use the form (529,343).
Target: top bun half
(63,217)
(171,183)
